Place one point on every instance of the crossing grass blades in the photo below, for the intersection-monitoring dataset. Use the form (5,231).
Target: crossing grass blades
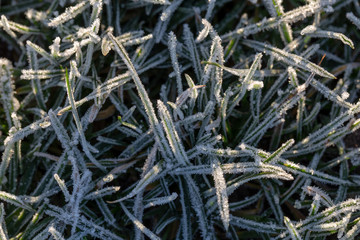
(172,119)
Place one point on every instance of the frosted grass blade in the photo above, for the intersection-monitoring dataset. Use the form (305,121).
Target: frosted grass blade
(172,48)
(255,226)
(292,230)
(222,198)
(69,14)
(161,200)
(288,58)
(172,135)
(63,187)
(312,31)
(198,206)
(194,54)
(154,123)
(276,154)
(139,225)
(3,230)
(289,17)
(35,83)
(14,200)
(245,82)
(73,73)
(155,173)
(353,19)
(56,235)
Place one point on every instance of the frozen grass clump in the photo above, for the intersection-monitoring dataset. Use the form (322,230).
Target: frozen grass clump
(157,119)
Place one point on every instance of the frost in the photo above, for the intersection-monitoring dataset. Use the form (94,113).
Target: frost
(353,19)
(292,230)
(69,14)
(3,230)
(153,119)
(255,85)
(139,225)
(165,19)
(161,201)
(222,198)
(55,233)
(289,58)
(172,49)
(312,31)
(63,187)
(14,200)
(205,31)
(172,135)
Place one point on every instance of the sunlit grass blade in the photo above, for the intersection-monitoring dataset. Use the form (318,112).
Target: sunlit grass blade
(293,233)
(14,200)
(289,58)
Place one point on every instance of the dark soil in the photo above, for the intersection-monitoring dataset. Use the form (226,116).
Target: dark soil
(6,53)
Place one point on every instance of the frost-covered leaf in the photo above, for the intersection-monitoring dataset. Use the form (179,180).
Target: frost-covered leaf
(312,31)
(154,123)
(288,58)
(222,198)
(139,225)
(255,226)
(289,17)
(292,230)
(172,135)
(70,79)
(69,13)
(155,173)
(161,200)
(353,19)
(63,187)
(78,120)
(14,200)
(3,230)
(174,60)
